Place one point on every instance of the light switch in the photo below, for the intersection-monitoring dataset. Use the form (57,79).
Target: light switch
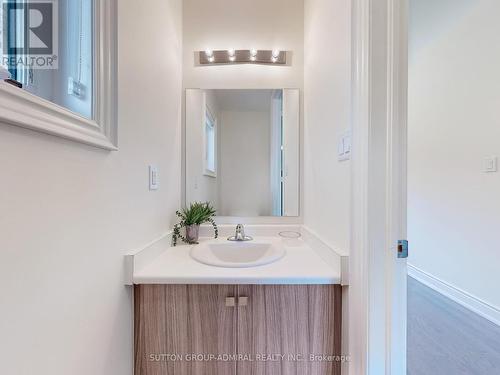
(340,149)
(154,182)
(490,164)
(344,146)
(347,145)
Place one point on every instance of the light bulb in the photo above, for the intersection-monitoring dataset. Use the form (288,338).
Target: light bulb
(253,58)
(253,52)
(276,53)
(232,58)
(274,59)
(231,52)
(211,59)
(209,52)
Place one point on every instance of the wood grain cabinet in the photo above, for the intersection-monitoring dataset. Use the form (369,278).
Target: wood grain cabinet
(237,329)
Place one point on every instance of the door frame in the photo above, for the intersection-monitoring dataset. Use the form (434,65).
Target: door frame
(377,291)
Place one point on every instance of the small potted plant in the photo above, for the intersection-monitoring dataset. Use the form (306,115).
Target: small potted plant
(191,218)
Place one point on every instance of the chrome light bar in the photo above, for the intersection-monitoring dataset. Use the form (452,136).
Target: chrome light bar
(242,56)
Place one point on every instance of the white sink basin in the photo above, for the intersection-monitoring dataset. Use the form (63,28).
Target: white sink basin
(223,253)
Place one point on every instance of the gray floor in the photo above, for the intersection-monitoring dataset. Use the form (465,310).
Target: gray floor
(446,339)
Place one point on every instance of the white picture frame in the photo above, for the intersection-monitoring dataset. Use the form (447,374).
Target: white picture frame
(21,108)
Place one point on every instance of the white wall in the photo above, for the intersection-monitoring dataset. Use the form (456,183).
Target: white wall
(327,100)
(327,107)
(69,212)
(454,123)
(245,168)
(243,24)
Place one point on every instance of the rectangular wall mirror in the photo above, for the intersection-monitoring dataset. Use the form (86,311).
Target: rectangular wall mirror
(242,151)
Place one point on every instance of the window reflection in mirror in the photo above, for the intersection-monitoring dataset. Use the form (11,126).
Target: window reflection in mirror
(242,151)
(210,143)
(47,48)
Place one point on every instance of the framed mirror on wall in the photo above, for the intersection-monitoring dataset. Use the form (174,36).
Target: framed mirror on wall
(57,68)
(243,151)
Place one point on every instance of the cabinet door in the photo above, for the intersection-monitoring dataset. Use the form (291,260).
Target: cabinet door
(282,326)
(175,322)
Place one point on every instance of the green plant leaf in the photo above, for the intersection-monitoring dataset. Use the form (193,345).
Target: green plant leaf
(196,214)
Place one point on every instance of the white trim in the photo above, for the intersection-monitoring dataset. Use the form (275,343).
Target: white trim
(359,290)
(21,108)
(135,260)
(377,293)
(458,295)
(396,189)
(275,150)
(291,152)
(207,111)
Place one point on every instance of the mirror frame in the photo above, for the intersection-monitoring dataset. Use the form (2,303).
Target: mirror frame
(21,108)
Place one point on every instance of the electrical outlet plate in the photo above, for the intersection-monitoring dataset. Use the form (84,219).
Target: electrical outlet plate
(490,164)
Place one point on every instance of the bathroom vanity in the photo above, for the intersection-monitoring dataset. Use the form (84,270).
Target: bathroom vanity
(260,299)
(283,317)
(237,329)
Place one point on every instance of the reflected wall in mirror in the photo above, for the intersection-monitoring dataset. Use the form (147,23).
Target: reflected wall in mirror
(242,151)
(48,47)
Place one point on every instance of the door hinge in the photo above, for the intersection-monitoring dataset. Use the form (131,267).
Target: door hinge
(403,249)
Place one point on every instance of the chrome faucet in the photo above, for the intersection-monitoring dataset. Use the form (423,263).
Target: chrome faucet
(240,234)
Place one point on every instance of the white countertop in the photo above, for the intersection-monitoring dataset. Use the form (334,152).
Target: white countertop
(300,265)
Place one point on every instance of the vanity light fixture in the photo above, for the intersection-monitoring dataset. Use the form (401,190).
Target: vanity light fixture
(276,53)
(209,54)
(243,56)
(253,55)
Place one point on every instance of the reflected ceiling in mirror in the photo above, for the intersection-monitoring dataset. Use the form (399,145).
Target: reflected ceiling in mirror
(242,151)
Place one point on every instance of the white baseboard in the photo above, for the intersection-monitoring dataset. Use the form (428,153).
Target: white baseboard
(461,297)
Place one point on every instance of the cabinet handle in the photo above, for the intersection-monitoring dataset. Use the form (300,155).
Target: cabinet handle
(230,302)
(242,301)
